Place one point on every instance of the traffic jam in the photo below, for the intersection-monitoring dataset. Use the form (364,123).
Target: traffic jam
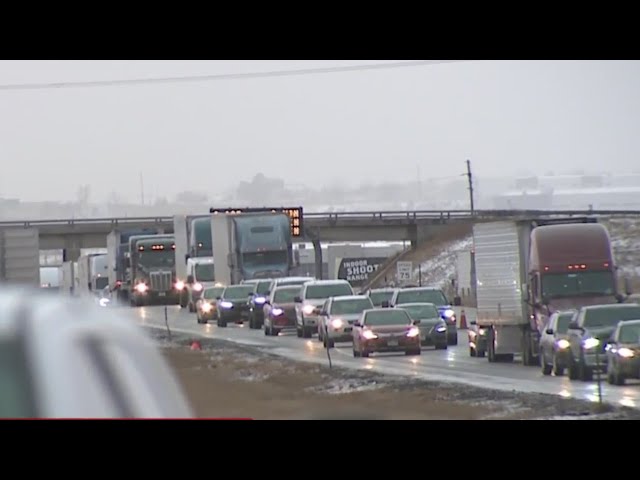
(546,290)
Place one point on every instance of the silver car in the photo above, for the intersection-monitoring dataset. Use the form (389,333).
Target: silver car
(68,358)
(337,317)
(312,297)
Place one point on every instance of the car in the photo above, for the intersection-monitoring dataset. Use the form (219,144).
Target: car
(430,295)
(554,343)
(623,353)
(279,310)
(207,304)
(256,301)
(381,295)
(385,330)
(63,357)
(312,297)
(589,331)
(233,304)
(337,316)
(433,329)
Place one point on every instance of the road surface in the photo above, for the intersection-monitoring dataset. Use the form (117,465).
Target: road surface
(451,365)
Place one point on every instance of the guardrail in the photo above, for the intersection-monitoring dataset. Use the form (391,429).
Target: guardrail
(345,216)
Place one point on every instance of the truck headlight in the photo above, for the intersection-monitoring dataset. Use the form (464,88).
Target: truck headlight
(142,287)
(308,309)
(179,285)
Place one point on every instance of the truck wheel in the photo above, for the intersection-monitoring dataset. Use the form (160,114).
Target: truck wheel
(491,355)
(546,369)
(472,352)
(558,370)
(192,309)
(306,332)
(573,369)
(298,331)
(183,300)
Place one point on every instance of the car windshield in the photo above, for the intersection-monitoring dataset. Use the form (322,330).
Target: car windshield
(213,293)
(630,333)
(350,307)
(286,294)
(204,272)
(420,312)
(563,322)
(387,316)
(575,284)
(14,383)
(609,317)
(316,292)
(238,292)
(418,296)
(263,287)
(378,297)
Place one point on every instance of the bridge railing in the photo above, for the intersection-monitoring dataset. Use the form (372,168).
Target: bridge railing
(332,217)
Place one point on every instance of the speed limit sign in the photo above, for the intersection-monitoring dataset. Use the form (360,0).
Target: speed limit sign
(404,270)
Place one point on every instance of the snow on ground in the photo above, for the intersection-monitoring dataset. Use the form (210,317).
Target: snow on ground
(343,386)
(625,240)
(438,270)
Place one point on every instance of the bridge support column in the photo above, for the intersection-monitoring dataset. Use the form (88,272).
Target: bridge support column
(423,233)
(71,251)
(317,249)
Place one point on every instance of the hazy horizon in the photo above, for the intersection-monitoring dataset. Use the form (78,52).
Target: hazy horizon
(507,117)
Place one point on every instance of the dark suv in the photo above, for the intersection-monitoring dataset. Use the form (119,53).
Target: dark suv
(589,332)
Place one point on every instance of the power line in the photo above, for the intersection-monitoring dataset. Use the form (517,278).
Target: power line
(224,76)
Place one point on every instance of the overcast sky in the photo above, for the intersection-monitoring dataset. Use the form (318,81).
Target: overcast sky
(507,117)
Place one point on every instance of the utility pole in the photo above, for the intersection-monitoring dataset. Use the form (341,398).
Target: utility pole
(141,190)
(470,179)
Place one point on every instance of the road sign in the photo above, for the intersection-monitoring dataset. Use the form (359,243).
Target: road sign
(404,272)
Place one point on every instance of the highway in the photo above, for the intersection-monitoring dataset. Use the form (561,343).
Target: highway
(452,365)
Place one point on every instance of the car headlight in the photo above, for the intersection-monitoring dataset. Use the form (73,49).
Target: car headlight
(103,302)
(179,285)
(206,307)
(625,352)
(142,287)
(197,287)
(449,313)
(276,312)
(308,309)
(225,304)
(336,323)
(369,335)
(562,344)
(590,343)
(259,300)
(413,332)
(441,329)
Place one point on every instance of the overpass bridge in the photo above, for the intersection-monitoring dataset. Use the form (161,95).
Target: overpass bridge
(416,226)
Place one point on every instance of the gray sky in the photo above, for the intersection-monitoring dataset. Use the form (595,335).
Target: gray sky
(508,117)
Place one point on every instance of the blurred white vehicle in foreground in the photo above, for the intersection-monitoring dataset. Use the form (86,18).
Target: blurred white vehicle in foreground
(68,358)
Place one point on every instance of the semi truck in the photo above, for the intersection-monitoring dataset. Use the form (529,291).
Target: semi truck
(527,269)
(118,260)
(93,272)
(194,256)
(152,264)
(251,245)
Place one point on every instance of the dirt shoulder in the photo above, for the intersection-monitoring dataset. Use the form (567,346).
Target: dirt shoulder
(230,380)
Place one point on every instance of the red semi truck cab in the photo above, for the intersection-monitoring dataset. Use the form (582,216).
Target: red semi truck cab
(570,265)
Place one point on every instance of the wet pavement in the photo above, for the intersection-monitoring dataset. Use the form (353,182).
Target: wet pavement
(451,365)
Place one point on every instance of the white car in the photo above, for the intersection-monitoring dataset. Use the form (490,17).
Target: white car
(312,297)
(69,358)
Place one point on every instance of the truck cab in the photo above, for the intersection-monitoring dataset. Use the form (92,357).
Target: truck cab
(153,270)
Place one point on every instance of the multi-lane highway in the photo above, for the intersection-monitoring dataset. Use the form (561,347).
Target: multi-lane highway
(453,365)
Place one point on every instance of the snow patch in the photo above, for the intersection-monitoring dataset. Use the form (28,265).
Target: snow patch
(251,376)
(438,270)
(345,386)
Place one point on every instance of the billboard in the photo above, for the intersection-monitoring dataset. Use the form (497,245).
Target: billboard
(357,271)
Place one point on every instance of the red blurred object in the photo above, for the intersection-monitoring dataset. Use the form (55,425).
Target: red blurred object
(195,345)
